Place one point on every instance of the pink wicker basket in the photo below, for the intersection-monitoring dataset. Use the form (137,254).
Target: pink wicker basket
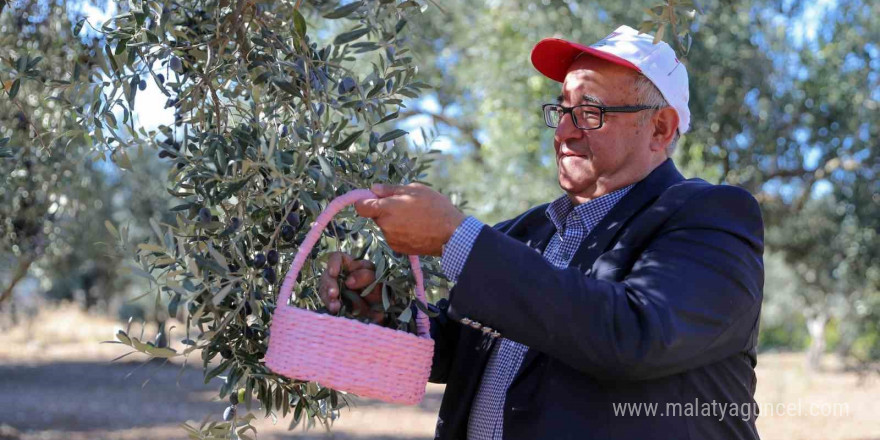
(344,354)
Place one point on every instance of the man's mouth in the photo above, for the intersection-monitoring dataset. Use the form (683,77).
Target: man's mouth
(563,155)
(563,151)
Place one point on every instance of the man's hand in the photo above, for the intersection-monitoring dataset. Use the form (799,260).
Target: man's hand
(361,273)
(414,219)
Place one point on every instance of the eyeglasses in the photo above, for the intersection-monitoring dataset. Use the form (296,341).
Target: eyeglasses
(586,117)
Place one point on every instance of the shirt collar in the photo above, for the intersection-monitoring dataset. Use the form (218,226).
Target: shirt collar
(564,214)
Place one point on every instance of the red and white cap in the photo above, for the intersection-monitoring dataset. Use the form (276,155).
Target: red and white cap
(626,47)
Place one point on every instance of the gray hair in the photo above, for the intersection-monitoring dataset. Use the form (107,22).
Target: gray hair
(648,94)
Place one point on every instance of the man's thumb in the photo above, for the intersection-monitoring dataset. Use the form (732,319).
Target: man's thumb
(381,190)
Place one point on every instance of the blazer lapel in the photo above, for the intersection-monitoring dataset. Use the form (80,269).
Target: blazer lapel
(540,237)
(645,191)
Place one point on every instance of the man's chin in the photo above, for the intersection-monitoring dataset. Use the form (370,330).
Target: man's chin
(568,185)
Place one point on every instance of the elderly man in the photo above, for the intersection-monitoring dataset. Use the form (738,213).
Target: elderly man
(625,309)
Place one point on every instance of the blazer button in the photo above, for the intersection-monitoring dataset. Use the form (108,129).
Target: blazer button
(465,321)
(488,331)
(476,325)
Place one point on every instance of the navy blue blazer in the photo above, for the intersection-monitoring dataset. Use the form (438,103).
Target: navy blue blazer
(658,308)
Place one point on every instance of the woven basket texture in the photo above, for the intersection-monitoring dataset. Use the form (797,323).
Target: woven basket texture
(344,354)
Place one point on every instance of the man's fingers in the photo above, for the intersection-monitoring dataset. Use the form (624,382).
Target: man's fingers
(361,264)
(377,316)
(361,273)
(328,290)
(338,261)
(375,295)
(334,264)
(362,308)
(374,299)
(382,190)
(372,310)
(368,208)
(386,190)
(360,279)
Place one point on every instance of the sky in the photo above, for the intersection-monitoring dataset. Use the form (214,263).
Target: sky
(149,109)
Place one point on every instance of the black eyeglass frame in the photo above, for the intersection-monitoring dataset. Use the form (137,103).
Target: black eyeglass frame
(602,110)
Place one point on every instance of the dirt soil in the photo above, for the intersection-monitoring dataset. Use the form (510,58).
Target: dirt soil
(57,383)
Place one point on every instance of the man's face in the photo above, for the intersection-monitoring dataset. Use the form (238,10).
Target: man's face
(592,163)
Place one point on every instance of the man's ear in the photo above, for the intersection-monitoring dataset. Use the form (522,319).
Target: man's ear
(665,124)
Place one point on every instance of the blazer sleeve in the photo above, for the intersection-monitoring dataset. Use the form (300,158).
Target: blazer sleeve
(446,331)
(692,297)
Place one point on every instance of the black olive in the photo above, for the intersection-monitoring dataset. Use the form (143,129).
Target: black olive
(259,260)
(269,275)
(293,219)
(346,85)
(246,310)
(176,65)
(205,215)
(334,230)
(272,257)
(288,232)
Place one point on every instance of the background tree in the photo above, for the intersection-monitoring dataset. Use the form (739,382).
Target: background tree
(53,199)
(782,98)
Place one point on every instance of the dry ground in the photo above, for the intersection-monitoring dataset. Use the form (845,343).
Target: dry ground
(56,382)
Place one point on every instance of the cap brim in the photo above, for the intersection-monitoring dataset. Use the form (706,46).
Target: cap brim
(553,56)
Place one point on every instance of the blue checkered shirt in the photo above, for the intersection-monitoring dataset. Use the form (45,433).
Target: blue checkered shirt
(573,224)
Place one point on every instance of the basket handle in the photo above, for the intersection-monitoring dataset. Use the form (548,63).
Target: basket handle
(422,323)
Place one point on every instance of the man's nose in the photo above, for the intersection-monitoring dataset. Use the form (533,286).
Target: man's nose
(567,130)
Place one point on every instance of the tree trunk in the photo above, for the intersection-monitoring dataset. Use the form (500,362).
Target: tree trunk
(816,328)
(20,272)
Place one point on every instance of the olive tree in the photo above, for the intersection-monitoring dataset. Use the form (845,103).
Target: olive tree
(278,108)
